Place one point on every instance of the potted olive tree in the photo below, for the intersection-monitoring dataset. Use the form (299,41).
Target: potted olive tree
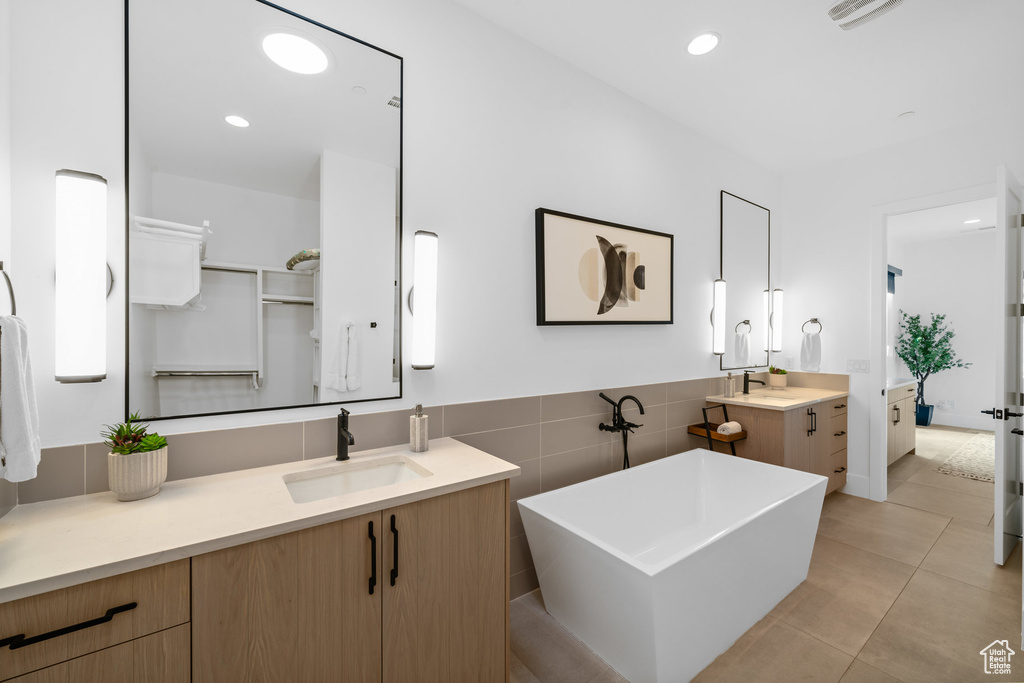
(926,349)
(137,462)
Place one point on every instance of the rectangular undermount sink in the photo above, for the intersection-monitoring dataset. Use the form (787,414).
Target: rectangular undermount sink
(352,477)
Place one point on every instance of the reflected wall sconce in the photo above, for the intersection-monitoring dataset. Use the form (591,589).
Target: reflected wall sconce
(776,320)
(424,284)
(718,319)
(81,277)
(766,337)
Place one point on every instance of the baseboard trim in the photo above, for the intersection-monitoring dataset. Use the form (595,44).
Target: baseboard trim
(856,485)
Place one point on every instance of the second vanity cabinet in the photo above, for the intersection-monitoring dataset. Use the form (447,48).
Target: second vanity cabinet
(901,436)
(414,592)
(809,438)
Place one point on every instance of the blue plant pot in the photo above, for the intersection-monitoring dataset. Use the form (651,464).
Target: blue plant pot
(924,415)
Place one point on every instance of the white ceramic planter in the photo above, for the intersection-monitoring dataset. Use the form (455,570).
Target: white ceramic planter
(777,381)
(137,475)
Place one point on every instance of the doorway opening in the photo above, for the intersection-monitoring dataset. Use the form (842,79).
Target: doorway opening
(941,272)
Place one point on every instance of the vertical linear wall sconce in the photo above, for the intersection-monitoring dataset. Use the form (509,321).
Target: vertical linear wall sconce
(424,283)
(777,320)
(767,305)
(718,319)
(81,279)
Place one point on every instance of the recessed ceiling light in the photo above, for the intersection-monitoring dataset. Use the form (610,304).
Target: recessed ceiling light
(972,221)
(358,90)
(703,44)
(906,115)
(295,53)
(237,121)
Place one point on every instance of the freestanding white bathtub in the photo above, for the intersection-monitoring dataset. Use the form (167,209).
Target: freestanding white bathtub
(660,568)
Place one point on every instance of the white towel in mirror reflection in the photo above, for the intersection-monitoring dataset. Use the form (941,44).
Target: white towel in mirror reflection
(342,372)
(742,349)
(19,419)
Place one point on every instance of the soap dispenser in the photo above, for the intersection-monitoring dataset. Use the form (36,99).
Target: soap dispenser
(730,386)
(419,439)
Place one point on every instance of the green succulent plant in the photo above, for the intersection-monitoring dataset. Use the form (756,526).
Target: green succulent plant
(131,437)
(776,371)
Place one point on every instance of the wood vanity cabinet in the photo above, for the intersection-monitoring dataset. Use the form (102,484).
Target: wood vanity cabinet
(414,592)
(810,439)
(902,423)
(147,643)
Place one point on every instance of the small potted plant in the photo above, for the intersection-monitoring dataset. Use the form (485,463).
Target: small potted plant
(776,377)
(926,349)
(137,462)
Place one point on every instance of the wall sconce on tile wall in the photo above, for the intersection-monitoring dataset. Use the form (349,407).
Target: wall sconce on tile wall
(776,320)
(718,319)
(81,277)
(424,284)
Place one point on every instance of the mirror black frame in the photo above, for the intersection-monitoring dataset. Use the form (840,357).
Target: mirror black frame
(721,268)
(127,226)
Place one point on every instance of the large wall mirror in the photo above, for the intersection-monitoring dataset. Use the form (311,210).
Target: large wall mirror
(264,211)
(746,229)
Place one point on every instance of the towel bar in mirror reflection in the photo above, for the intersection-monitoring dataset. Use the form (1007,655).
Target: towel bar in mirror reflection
(229,208)
(10,289)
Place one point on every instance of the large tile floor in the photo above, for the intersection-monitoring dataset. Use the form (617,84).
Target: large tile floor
(904,590)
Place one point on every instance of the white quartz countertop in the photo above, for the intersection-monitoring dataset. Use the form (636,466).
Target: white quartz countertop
(787,398)
(60,543)
(898,383)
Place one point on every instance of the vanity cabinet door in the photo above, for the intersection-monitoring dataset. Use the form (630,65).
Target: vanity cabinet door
(295,607)
(446,596)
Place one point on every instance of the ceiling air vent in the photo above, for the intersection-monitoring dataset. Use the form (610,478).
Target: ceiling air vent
(395,102)
(850,14)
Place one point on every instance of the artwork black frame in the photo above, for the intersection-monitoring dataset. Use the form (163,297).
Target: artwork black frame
(542,274)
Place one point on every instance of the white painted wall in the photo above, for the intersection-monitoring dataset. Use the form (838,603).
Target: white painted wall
(956,276)
(67,111)
(825,244)
(494,128)
(5,136)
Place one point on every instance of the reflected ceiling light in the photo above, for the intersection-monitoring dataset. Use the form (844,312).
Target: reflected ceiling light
(972,221)
(703,44)
(907,115)
(295,53)
(237,121)
(358,90)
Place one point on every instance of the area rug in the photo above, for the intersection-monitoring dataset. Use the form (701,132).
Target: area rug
(976,459)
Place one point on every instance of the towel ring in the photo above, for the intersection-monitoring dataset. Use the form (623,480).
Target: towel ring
(814,321)
(10,289)
(742,322)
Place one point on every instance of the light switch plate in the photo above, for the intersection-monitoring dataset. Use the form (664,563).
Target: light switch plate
(858,365)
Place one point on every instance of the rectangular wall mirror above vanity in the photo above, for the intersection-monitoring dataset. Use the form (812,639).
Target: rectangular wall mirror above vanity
(803,426)
(746,268)
(264,211)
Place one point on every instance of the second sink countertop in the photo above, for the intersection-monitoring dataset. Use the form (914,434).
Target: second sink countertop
(788,398)
(60,543)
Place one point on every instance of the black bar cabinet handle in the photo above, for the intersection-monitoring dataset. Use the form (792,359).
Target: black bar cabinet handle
(840,470)
(897,420)
(20,640)
(373,559)
(814,421)
(394,567)
(841,405)
(840,433)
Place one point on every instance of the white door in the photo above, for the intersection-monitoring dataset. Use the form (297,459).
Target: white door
(1008,408)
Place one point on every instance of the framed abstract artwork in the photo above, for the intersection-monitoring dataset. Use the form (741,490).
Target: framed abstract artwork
(593,272)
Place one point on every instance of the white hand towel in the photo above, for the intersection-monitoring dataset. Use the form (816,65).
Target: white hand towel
(730,428)
(742,349)
(810,352)
(19,416)
(353,379)
(335,357)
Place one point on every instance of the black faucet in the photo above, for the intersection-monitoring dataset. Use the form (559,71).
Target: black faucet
(345,438)
(619,423)
(747,381)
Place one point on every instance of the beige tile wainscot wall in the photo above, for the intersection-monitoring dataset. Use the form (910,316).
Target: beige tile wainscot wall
(554,439)
(8,496)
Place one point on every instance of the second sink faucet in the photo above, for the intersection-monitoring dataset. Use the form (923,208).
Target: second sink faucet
(747,381)
(345,438)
